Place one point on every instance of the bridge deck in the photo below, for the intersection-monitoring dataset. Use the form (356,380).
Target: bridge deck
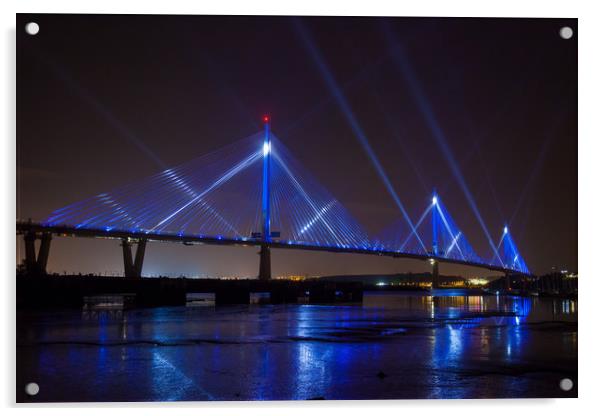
(70,231)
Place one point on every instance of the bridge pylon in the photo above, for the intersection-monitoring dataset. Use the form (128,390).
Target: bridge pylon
(434,263)
(434,223)
(265,265)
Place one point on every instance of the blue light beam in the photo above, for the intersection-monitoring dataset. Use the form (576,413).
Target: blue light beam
(435,129)
(345,108)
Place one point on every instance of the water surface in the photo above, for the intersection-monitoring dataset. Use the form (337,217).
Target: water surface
(393,346)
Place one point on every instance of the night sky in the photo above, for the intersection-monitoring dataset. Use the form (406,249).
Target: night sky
(107,100)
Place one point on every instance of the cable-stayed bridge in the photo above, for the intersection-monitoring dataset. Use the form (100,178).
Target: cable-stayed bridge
(254,192)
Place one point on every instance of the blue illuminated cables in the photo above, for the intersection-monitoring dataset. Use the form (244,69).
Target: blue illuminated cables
(451,242)
(219,195)
(179,200)
(305,211)
(454,244)
(511,257)
(236,169)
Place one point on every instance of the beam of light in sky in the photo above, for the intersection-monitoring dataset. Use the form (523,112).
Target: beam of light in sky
(393,127)
(301,203)
(528,194)
(455,243)
(418,224)
(323,103)
(368,68)
(465,159)
(537,166)
(528,77)
(485,167)
(527,190)
(107,115)
(434,127)
(123,130)
(346,110)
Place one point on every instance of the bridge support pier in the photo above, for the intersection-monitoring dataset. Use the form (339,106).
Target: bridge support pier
(36,264)
(435,274)
(139,257)
(265,263)
(133,268)
(127,257)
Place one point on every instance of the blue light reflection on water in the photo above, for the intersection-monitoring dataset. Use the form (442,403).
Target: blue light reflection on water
(392,346)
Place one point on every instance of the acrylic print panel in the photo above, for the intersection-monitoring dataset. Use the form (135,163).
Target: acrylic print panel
(290,208)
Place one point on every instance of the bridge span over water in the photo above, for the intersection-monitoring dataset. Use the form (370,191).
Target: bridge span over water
(254,193)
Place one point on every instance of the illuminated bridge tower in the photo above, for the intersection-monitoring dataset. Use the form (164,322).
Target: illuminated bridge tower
(433,261)
(265,266)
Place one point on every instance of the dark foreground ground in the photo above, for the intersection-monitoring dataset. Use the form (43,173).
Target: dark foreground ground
(393,346)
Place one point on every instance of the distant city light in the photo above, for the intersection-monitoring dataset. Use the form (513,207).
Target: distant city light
(381,284)
(506,230)
(435,200)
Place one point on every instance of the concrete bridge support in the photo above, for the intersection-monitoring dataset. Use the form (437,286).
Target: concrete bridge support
(36,264)
(44,251)
(436,282)
(131,268)
(139,258)
(127,257)
(265,264)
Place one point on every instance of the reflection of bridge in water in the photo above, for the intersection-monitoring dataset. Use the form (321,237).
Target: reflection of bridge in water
(254,193)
